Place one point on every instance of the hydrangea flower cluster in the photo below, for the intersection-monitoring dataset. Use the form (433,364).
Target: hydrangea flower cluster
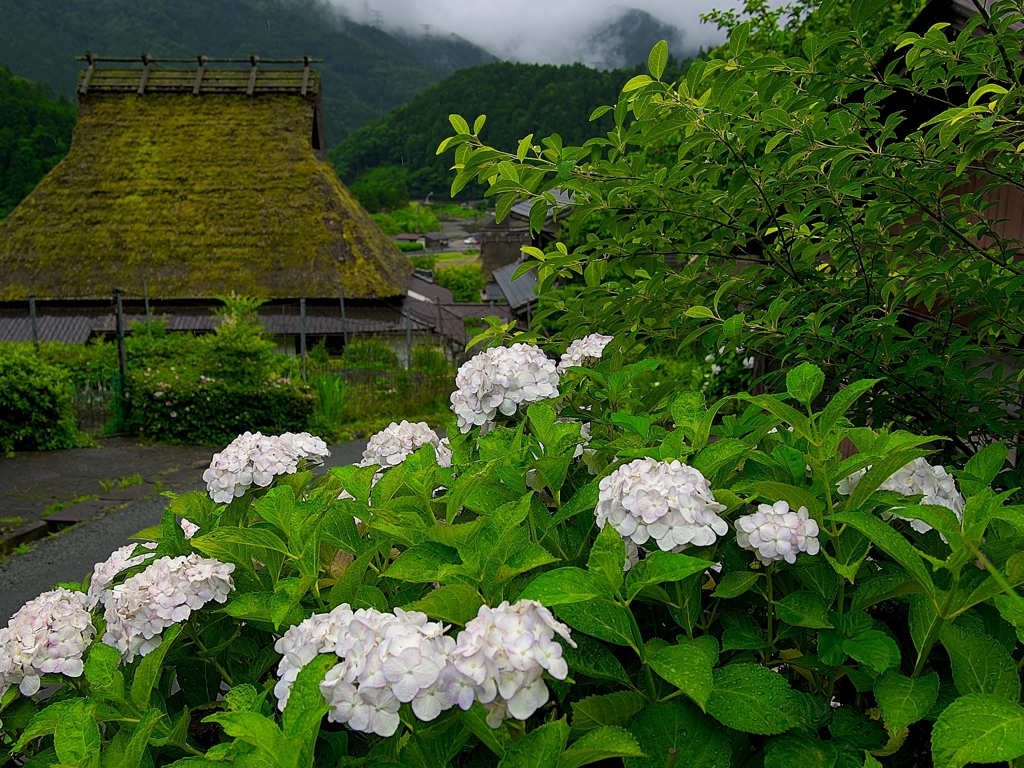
(165,593)
(47,635)
(257,459)
(387,659)
(396,442)
(666,501)
(500,658)
(775,532)
(103,574)
(918,478)
(583,350)
(501,379)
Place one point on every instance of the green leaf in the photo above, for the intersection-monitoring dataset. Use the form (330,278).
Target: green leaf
(148,673)
(804,382)
(427,562)
(603,744)
(77,736)
(657,59)
(754,699)
(610,709)
(306,705)
(978,728)
(699,312)
(803,609)
(841,403)
(277,508)
(564,586)
(591,658)
(607,557)
(541,746)
(680,725)
(736,583)
(980,663)
(795,497)
(459,124)
(497,739)
(101,670)
(799,749)
(455,603)
(905,700)
(214,541)
(874,649)
(135,750)
(890,542)
(659,567)
(636,83)
(602,619)
(741,632)
(253,728)
(688,667)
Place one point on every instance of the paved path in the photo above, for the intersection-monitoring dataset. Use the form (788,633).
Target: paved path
(70,555)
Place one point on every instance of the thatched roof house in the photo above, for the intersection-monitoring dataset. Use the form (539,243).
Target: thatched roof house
(201,182)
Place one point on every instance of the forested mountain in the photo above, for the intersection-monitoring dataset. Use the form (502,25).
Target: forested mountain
(35,133)
(366,71)
(517,99)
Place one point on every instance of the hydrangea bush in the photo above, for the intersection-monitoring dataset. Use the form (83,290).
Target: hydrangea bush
(694,590)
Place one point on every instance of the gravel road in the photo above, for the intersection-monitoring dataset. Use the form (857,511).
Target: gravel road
(70,556)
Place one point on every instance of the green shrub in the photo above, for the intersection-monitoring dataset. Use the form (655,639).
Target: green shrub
(465,282)
(382,189)
(409,247)
(181,405)
(423,262)
(413,218)
(37,410)
(370,353)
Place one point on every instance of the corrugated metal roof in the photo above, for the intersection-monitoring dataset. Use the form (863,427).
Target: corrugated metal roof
(519,292)
(523,209)
(70,329)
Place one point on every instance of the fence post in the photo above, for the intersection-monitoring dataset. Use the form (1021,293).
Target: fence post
(122,393)
(440,320)
(302,335)
(344,325)
(32,315)
(145,297)
(408,338)
(529,315)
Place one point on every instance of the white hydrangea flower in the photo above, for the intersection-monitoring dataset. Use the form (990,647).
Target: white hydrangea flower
(500,659)
(256,459)
(47,635)
(501,379)
(775,532)
(584,350)
(103,574)
(387,659)
(165,593)
(632,555)
(188,528)
(396,442)
(667,501)
(918,478)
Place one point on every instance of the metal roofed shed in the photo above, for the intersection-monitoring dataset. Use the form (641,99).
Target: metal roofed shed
(521,292)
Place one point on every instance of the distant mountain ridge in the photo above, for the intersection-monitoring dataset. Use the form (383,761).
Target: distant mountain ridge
(366,72)
(627,39)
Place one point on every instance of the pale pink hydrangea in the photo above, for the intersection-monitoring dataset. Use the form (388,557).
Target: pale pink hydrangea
(103,574)
(387,659)
(255,459)
(501,379)
(666,501)
(775,532)
(396,442)
(165,593)
(501,657)
(47,635)
(918,478)
(582,351)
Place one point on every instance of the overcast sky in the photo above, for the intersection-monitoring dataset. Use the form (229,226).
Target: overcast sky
(547,31)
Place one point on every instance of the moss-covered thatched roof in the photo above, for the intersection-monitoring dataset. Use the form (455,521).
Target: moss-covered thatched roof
(200,196)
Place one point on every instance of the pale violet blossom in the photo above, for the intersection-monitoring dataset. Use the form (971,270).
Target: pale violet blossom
(386,659)
(582,351)
(748,362)
(189,528)
(632,555)
(918,478)
(500,659)
(666,501)
(47,635)
(501,379)
(396,442)
(103,574)
(775,532)
(165,593)
(255,459)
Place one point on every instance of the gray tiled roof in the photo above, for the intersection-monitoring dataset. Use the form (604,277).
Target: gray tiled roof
(519,292)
